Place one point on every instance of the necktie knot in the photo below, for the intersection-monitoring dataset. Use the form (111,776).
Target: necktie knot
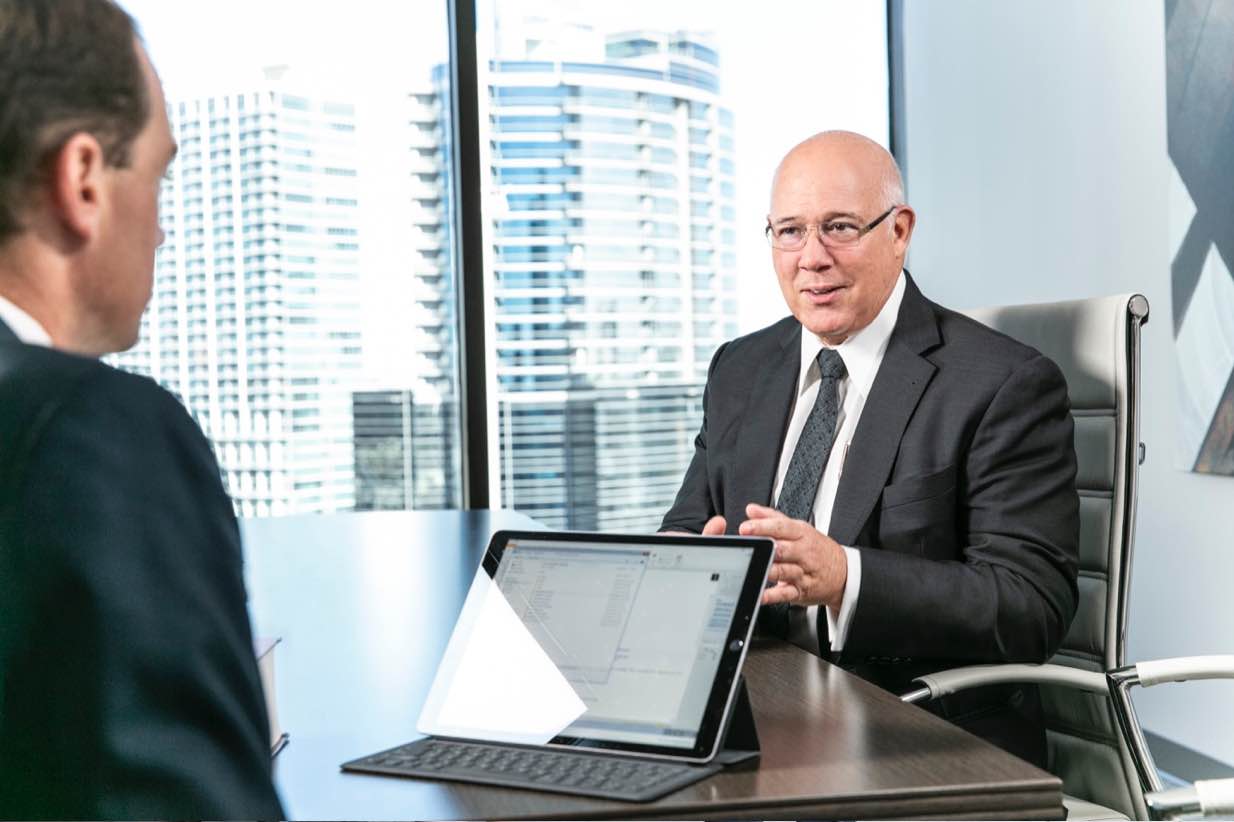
(831,364)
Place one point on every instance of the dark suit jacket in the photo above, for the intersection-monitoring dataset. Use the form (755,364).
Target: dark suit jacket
(958,490)
(128,685)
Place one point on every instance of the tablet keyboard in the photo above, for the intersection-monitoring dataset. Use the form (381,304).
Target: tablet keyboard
(585,774)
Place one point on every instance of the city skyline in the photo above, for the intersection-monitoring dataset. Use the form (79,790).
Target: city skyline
(810,66)
(611,259)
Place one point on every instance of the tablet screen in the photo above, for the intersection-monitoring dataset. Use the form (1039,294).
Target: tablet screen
(637,630)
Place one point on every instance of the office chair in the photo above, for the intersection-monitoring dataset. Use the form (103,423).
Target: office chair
(1094,740)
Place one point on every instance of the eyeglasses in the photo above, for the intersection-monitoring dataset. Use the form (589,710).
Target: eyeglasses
(833,233)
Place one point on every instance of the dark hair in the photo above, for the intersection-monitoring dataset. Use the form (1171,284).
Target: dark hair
(66,66)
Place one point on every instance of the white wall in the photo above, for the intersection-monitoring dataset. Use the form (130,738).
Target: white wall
(1035,145)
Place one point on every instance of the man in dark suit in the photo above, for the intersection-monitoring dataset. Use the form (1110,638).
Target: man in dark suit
(128,685)
(916,469)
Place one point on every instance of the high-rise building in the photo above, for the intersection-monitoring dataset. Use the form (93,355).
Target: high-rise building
(433,319)
(406,451)
(255,319)
(612,265)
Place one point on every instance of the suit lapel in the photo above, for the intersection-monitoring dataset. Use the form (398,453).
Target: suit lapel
(901,380)
(763,425)
(6,333)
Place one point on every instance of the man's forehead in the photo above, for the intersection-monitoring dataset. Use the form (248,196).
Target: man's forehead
(811,191)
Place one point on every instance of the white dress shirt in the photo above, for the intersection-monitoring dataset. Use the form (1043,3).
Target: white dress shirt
(23,325)
(862,354)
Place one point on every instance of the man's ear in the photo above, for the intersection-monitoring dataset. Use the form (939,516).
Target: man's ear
(905,220)
(77,185)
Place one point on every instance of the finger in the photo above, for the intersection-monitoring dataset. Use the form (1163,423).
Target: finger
(780,527)
(791,552)
(784,572)
(754,511)
(715,526)
(781,594)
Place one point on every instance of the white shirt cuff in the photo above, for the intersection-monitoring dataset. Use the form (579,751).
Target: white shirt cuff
(837,624)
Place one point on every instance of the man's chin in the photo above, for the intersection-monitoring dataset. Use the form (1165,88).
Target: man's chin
(129,341)
(117,343)
(829,326)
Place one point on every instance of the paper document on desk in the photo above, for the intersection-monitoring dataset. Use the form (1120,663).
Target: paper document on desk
(495,682)
(264,647)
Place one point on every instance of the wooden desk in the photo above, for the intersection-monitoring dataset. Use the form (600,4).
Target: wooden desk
(365,603)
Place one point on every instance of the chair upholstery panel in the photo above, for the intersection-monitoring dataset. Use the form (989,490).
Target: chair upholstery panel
(1095,513)
(1087,631)
(1095,451)
(1092,770)
(1078,713)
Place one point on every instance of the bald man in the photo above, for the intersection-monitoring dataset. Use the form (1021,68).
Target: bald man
(915,468)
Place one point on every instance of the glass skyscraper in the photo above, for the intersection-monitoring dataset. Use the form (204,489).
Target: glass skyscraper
(255,319)
(612,265)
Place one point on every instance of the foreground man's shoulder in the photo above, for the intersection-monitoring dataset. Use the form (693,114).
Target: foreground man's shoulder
(52,391)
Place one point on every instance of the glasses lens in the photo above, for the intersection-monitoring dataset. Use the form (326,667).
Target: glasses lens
(786,237)
(841,233)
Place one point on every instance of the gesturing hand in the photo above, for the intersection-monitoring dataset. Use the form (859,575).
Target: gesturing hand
(810,567)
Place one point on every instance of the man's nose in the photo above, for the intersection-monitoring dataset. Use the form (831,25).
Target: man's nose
(814,254)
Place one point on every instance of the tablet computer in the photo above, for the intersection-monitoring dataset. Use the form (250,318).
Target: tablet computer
(622,644)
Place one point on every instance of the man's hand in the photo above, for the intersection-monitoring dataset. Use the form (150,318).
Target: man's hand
(810,567)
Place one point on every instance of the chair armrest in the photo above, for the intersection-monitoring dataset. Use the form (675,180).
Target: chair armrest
(942,683)
(1148,674)
(1184,668)
(1207,796)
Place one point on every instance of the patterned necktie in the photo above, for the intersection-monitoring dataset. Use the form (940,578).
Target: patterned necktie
(805,469)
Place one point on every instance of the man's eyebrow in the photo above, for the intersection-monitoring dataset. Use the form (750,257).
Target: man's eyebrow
(829,216)
(171,155)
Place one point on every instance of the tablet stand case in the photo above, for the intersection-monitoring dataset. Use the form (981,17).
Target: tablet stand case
(741,736)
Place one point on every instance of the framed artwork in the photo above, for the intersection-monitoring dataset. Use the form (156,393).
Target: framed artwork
(1200,110)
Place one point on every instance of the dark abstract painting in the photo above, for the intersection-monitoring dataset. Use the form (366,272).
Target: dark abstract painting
(1200,99)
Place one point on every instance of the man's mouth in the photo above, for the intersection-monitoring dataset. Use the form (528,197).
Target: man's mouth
(822,294)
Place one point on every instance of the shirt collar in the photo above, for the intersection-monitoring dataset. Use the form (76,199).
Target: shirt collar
(23,325)
(862,352)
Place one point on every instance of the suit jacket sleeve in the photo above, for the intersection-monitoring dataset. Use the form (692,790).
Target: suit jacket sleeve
(1010,593)
(694,504)
(131,689)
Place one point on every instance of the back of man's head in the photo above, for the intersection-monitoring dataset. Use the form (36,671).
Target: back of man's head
(84,144)
(66,66)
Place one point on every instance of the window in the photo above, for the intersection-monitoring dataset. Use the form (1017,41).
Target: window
(325,371)
(307,302)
